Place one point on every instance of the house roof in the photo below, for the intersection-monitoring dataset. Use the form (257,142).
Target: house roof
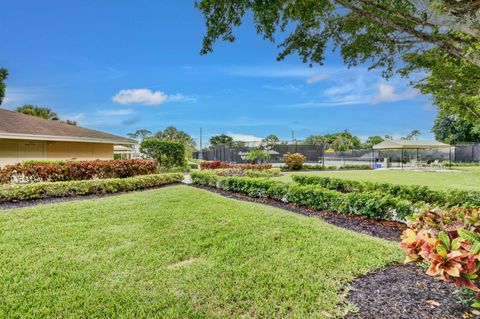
(407,144)
(14,125)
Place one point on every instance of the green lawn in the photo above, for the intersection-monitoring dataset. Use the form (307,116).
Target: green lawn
(177,252)
(464,178)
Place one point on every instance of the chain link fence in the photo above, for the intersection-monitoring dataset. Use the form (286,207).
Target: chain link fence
(316,154)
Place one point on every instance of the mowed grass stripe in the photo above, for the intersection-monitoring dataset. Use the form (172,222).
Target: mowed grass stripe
(177,252)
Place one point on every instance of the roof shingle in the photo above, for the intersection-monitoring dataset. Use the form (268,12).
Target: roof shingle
(14,123)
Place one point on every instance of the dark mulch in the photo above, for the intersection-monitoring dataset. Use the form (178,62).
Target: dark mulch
(34,202)
(379,228)
(404,292)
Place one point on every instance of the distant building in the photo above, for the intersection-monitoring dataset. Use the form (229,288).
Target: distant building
(24,137)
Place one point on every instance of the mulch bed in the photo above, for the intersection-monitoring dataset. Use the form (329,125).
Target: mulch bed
(385,229)
(52,200)
(404,292)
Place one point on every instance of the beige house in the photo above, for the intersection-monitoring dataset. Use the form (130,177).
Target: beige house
(24,137)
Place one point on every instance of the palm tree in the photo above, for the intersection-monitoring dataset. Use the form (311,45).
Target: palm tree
(42,112)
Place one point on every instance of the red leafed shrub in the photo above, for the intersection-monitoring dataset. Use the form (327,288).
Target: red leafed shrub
(75,170)
(449,242)
(213,165)
(219,164)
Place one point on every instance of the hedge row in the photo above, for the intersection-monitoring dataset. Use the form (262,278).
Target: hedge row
(221,165)
(371,205)
(42,171)
(413,193)
(10,193)
(320,167)
(266,173)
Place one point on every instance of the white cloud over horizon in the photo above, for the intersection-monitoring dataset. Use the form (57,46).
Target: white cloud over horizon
(387,93)
(148,97)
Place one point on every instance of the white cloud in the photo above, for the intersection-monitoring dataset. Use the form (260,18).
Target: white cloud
(115,112)
(148,97)
(386,93)
(244,137)
(140,96)
(287,88)
(317,78)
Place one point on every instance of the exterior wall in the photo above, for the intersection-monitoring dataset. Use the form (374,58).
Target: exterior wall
(15,151)
(78,151)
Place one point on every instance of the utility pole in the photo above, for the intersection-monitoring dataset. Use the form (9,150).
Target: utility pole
(293,136)
(201,146)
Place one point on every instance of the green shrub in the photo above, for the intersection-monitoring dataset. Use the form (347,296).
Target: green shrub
(413,193)
(294,161)
(192,165)
(266,173)
(320,167)
(167,154)
(42,190)
(205,178)
(256,155)
(373,205)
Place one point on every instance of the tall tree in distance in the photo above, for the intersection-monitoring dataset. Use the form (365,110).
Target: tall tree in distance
(413,135)
(270,141)
(42,112)
(3,86)
(372,140)
(140,134)
(172,134)
(221,140)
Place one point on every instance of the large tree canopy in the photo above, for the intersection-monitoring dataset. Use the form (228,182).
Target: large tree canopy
(454,130)
(3,77)
(425,33)
(376,30)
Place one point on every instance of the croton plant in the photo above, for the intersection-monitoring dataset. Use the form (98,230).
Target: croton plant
(449,243)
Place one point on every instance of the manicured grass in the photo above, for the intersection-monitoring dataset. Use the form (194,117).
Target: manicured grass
(177,252)
(464,178)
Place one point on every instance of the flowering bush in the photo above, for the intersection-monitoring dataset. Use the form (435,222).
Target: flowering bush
(294,161)
(449,243)
(220,165)
(30,172)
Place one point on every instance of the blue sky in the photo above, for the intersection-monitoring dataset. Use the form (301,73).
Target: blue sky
(121,65)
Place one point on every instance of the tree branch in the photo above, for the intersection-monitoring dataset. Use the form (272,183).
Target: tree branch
(419,34)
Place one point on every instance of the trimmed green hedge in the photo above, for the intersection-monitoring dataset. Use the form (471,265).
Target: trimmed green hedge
(414,193)
(21,192)
(371,205)
(320,167)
